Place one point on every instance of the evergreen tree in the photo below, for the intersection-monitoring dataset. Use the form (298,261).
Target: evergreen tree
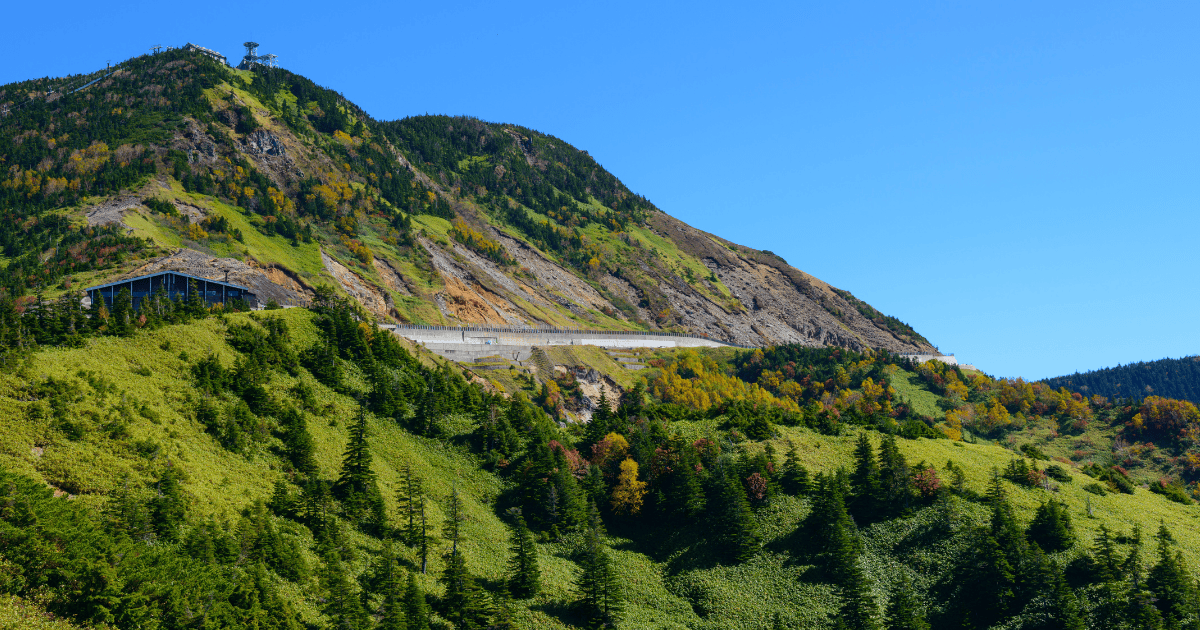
(416,613)
(342,603)
(356,486)
(1174,590)
(859,609)
(463,602)
(167,509)
(795,480)
(1005,529)
(298,442)
(895,478)
(1140,611)
(122,314)
(864,481)
(1051,527)
(524,575)
(831,526)
(987,582)
(600,599)
(733,527)
(1053,605)
(904,610)
(392,611)
(1106,567)
(599,425)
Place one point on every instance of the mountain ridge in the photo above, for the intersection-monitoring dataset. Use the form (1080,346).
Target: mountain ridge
(428,219)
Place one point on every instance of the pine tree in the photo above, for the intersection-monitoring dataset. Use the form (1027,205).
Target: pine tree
(1051,527)
(463,601)
(859,609)
(524,575)
(1173,587)
(864,481)
(987,582)
(167,511)
(416,613)
(1005,529)
(598,426)
(393,617)
(1053,605)
(795,480)
(298,442)
(904,610)
(895,478)
(600,600)
(122,314)
(356,486)
(342,603)
(733,527)
(1106,567)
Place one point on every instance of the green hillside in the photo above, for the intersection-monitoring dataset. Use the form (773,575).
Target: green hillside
(262,526)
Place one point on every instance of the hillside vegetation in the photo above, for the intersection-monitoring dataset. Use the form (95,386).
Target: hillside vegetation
(1172,378)
(299,468)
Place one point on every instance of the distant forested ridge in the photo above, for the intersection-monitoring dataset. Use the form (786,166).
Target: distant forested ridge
(1170,378)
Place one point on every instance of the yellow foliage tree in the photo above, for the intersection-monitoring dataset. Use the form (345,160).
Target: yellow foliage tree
(628,494)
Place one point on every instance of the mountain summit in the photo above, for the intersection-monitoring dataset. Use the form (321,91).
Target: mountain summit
(176,160)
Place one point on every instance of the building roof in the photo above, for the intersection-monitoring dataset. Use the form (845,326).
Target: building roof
(159,273)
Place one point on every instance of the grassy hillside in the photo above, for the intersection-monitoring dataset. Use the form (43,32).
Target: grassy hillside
(133,404)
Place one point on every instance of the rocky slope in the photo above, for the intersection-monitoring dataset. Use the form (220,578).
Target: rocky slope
(286,186)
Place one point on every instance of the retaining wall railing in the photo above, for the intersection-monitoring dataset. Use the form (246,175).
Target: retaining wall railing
(531,330)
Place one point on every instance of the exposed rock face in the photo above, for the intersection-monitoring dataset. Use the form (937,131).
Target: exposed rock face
(263,142)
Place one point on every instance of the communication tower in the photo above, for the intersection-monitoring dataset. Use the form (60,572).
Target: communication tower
(156,48)
(269,60)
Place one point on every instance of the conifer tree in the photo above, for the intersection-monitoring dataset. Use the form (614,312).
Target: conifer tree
(895,478)
(1005,530)
(393,617)
(600,600)
(1174,590)
(167,509)
(122,314)
(598,426)
(463,602)
(859,609)
(342,603)
(864,481)
(524,575)
(1106,565)
(795,479)
(1140,610)
(1051,527)
(1053,605)
(904,610)
(416,613)
(988,586)
(298,442)
(356,487)
(733,527)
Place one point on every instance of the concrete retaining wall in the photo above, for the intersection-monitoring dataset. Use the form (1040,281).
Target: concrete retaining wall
(471,343)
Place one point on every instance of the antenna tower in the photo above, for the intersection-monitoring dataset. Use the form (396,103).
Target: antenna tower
(156,48)
(251,54)
(269,60)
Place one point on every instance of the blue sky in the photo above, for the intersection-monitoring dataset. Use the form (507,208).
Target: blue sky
(1018,180)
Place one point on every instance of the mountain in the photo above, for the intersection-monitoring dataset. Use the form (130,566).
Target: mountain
(198,466)
(175,160)
(1170,378)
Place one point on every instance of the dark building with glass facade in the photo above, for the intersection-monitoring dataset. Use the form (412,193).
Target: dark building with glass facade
(173,285)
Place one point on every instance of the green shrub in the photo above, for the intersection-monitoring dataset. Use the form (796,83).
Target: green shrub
(1057,473)
(1172,491)
(1095,488)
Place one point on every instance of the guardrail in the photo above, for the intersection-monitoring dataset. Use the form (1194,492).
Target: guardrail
(532,330)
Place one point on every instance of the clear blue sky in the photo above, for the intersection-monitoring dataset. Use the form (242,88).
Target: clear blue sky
(1017,180)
